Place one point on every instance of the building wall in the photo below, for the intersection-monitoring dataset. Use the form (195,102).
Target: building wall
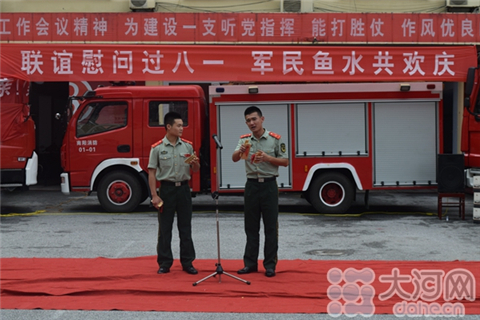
(64,6)
(397,6)
(306,5)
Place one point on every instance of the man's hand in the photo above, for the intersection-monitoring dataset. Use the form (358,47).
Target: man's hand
(260,156)
(242,152)
(194,162)
(242,149)
(157,202)
(192,158)
(245,149)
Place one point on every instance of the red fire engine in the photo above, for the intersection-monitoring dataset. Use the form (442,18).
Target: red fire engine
(340,138)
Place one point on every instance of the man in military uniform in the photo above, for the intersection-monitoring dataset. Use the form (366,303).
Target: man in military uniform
(266,153)
(170,162)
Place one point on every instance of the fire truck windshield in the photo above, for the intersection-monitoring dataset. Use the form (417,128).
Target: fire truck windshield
(102,116)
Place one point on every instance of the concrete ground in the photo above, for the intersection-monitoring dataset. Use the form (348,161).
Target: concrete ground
(397,226)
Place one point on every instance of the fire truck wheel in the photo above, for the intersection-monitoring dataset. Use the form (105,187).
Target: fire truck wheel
(119,191)
(332,192)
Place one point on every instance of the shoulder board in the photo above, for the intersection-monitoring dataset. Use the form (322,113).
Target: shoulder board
(246,135)
(157,143)
(185,140)
(275,135)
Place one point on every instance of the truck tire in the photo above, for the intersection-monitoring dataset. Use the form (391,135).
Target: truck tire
(119,192)
(331,192)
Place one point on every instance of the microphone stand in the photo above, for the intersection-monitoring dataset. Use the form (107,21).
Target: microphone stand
(219,269)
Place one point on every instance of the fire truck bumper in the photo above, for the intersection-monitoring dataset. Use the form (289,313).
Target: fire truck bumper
(31,170)
(65,183)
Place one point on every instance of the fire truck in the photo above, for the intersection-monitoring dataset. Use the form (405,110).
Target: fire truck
(19,162)
(341,138)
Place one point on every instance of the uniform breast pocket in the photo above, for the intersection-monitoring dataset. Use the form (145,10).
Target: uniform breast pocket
(184,157)
(270,152)
(166,160)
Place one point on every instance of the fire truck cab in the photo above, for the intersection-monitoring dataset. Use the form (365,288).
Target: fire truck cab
(108,139)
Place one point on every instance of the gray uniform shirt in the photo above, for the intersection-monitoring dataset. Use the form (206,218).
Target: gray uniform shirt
(169,160)
(271,144)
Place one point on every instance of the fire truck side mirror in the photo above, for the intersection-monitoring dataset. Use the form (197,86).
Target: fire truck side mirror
(469,87)
(466,103)
(470,81)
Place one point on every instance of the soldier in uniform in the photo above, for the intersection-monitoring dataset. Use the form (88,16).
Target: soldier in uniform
(168,165)
(267,152)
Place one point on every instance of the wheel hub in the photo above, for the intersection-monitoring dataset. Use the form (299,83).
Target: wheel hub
(332,193)
(119,192)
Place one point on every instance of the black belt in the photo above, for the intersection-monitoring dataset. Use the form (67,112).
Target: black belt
(173,183)
(262,179)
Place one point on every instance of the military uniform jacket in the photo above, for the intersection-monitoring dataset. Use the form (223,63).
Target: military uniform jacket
(169,159)
(270,143)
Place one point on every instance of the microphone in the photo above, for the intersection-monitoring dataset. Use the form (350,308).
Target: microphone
(215,138)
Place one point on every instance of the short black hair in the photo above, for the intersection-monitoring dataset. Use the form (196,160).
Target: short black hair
(170,118)
(253,109)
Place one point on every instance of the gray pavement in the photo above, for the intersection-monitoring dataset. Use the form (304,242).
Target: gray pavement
(397,226)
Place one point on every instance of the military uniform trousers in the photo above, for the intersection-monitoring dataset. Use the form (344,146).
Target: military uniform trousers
(175,199)
(261,201)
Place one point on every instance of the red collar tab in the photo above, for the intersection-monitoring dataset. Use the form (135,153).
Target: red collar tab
(185,140)
(157,143)
(275,135)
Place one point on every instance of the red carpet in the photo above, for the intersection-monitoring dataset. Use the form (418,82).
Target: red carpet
(301,286)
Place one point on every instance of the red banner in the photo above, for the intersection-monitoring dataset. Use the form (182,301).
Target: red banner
(74,62)
(168,27)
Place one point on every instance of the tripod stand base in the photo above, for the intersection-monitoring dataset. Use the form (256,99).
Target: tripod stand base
(220,271)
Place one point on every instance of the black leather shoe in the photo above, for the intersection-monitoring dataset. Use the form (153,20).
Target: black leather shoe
(163,270)
(247,270)
(190,270)
(270,273)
